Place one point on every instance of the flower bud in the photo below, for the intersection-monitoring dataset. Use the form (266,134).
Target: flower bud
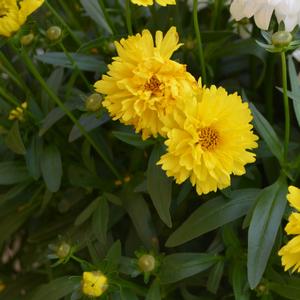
(147,263)
(27,39)
(94,284)
(63,250)
(281,39)
(54,33)
(94,102)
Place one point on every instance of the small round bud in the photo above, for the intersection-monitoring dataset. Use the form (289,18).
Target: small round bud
(93,103)
(189,44)
(147,263)
(27,39)
(281,39)
(63,250)
(111,47)
(54,33)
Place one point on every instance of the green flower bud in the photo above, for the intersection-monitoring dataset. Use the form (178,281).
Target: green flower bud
(147,263)
(94,102)
(54,33)
(281,39)
(63,250)
(27,39)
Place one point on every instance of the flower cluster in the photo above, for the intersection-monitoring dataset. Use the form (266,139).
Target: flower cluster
(290,253)
(18,112)
(286,11)
(208,131)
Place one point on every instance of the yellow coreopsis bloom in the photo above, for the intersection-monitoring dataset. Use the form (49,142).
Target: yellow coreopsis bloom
(151,2)
(290,253)
(211,141)
(13,14)
(143,83)
(94,284)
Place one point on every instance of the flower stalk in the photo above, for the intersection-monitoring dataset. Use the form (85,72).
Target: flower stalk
(199,42)
(128,18)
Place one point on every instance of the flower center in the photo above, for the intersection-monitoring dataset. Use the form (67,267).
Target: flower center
(208,138)
(153,85)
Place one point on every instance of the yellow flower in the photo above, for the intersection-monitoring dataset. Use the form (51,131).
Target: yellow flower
(290,253)
(94,284)
(13,14)
(210,142)
(143,83)
(151,2)
(18,112)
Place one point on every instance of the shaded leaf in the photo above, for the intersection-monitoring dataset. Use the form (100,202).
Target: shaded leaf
(14,141)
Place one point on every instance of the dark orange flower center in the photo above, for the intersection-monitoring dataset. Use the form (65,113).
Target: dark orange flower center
(208,138)
(153,85)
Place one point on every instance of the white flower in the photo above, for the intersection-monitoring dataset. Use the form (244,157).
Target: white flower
(287,11)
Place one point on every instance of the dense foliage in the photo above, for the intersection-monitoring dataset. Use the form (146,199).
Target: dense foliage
(84,207)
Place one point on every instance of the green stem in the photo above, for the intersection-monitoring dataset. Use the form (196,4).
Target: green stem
(107,18)
(286,104)
(63,23)
(53,96)
(128,18)
(199,42)
(75,66)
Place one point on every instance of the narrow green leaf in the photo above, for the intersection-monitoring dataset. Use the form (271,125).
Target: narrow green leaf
(288,290)
(212,215)
(87,212)
(154,291)
(51,167)
(295,86)
(57,288)
(263,229)
(176,267)
(113,257)
(132,139)
(100,220)
(159,186)
(12,172)
(83,62)
(14,141)
(215,277)
(33,157)
(267,133)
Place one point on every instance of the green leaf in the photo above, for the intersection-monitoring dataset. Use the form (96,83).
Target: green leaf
(33,157)
(267,133)
(100,220)
(51,167)
(263,229)
(212,215)
(87,212)
(215,277)
(154,291)
(295,86)
(83,62)
(93,9)
(132,139)
(126,294)
(12,172)
(57,288)
(159,186)
(113,257)
(89,122)
(176,267)
(288,290)
(140,215)
(14,141)
(239,281)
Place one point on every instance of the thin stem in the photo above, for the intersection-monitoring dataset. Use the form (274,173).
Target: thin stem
(53,96)
(107,17)
(75,66)
(199,42)
(63,23)
(128,18)
(286,104)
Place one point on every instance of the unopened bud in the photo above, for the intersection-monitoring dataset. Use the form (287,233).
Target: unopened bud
(93,103)
(281,39)
(63,250)
(147,263)
(27,39)
(54,33)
